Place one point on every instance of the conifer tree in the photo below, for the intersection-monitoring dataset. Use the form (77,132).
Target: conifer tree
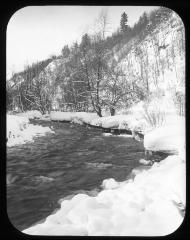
(123,23)
(65,51)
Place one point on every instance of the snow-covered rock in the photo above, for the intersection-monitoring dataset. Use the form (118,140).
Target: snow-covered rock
(145,162)
(110,183)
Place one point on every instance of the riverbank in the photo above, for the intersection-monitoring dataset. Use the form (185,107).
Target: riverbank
(75,159)
(20,130)
(135,207)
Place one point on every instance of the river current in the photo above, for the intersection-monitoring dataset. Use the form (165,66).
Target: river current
(75,159)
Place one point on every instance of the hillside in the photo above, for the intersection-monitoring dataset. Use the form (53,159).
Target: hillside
(158,62)
(89,76)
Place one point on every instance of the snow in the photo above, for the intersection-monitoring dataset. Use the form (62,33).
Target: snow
(151,203)
(120,135)
(75,117)
(145,162)
(33,114)
(16,124)
(110,183)
(135,118)
(165,68)
(160,110)
(120,121)
(168,138)
(117,121)
(148,205)
(20,131)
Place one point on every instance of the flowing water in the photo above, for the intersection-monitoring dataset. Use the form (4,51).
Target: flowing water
(74,159)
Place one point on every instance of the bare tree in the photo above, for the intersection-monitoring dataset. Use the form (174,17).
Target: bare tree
(95,69)
(116,89)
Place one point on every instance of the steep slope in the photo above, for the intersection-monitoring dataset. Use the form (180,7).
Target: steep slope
(157,63)
(153,65)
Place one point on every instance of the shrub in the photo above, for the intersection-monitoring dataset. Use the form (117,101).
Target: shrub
(153,114)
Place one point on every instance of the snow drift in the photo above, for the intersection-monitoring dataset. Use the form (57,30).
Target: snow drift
(20,131)
(76,117)
(168,138)
(148,205)
(128,122)
(34,114)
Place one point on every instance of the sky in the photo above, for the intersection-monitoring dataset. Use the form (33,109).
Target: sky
(35,33)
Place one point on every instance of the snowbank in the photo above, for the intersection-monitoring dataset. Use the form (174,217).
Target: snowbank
(157,112)
(76,117)
(19,130)
(168,138)
(33,114)
(134,120)
(142,117)
(15,124)
(118,121)
(148,205)
(122,121)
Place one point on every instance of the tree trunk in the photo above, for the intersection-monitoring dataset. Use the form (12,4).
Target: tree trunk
(99,111)
(112,111)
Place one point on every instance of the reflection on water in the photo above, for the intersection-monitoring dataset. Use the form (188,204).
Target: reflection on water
(74,159)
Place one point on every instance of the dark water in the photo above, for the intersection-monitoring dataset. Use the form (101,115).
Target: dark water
(72,160)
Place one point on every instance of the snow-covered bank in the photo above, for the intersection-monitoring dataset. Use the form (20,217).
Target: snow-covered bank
(168,138)
(141,117)
(20,131)
(124,121)
(34,114)
(75,117)
(148,205)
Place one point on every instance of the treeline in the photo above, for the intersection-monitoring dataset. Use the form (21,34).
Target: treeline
(86,76)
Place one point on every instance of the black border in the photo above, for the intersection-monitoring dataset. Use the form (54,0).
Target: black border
(182,8)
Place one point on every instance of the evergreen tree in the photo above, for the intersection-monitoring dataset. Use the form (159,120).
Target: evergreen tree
(85,43)
(123,23)
(65,51)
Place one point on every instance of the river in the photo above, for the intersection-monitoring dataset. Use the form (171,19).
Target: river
(74,159)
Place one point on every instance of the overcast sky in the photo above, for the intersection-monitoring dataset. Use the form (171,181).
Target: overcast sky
(35,33)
